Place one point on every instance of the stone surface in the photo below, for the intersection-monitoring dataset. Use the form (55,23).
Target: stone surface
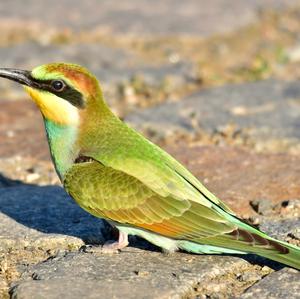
(262,206)
(266,109)
(282,228)
(133,273)
(278,285)
(194,17)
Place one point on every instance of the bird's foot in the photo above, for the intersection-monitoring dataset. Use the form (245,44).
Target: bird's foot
(109,247)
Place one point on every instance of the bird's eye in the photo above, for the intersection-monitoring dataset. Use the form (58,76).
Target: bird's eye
(58,85)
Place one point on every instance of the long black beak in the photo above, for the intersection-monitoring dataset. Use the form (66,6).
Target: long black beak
(21,76)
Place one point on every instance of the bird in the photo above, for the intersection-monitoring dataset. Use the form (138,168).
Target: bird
(113,172)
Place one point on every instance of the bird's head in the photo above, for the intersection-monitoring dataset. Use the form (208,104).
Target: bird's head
(62,91)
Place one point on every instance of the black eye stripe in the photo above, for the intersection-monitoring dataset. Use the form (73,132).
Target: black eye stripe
(72,96)
(68,93)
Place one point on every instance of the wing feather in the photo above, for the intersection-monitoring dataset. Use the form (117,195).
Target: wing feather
(117,196)
(136,156)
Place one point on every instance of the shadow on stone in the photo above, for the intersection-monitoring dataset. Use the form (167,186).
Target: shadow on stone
(6,182)
(261,261)
(46,209)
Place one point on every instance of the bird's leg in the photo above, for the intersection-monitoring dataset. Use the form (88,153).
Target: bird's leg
(109,247)
(120,244)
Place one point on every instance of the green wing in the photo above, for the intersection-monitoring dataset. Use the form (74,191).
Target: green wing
(134,155)
(115,195)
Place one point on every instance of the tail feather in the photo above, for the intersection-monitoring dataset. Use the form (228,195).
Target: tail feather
(264,245)
(250,240)
(291,257)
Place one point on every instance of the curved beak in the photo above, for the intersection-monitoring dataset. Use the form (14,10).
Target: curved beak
(21,76)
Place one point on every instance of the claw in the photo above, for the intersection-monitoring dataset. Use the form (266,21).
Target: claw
(115,246)
(109,247)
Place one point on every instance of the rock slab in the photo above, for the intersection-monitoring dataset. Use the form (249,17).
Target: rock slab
(133,273)
(278,285)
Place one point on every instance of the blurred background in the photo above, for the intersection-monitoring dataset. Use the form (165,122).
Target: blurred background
(212,73)
(146,52)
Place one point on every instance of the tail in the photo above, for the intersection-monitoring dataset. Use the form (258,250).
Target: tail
(246,239)
(281,252)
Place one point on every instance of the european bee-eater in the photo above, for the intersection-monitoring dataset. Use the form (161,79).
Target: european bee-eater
(115,173)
